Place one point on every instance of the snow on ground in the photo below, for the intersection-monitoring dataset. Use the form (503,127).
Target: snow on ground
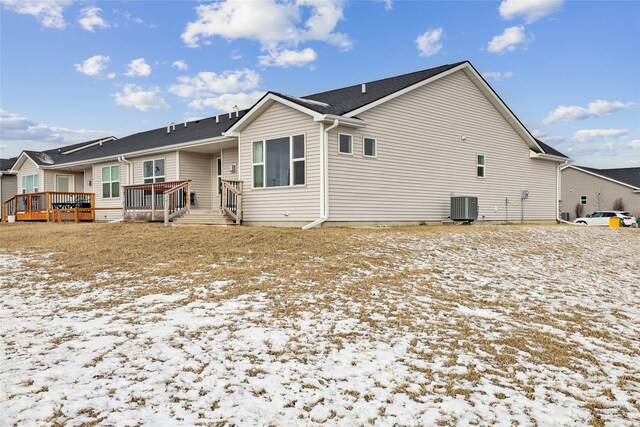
(514,326)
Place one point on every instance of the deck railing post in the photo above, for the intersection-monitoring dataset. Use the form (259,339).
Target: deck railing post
(153,204)
(166,208)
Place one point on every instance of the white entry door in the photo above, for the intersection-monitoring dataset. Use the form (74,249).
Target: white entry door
(64,183)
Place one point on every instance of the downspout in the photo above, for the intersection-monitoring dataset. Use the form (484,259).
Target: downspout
(558,188)
(129,169)
(324,177)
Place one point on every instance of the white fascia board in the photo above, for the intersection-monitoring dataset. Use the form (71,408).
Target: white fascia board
(158,150)
(343,121)
(635,189)
(405,90)
(262,105)
(545,156)
(23,157)
(111,138)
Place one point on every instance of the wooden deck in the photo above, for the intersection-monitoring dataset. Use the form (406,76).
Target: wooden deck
(50,206)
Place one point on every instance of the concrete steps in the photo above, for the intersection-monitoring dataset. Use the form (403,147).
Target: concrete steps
(203,217)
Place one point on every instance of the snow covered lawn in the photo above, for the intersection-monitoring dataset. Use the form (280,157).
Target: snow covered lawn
(518,325)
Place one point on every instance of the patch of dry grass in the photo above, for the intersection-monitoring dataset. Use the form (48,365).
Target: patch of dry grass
(433,288)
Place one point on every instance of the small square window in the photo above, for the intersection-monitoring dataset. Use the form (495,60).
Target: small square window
(583,200)
(369,147)
(345,144)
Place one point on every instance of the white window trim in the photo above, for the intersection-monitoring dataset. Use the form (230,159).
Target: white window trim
(483,166)
(375,148)
(262,163)
(73,181)
(585,200)
(111,181)
(164,177)
(351,145)
(36,183)
(291,161)
(220,173)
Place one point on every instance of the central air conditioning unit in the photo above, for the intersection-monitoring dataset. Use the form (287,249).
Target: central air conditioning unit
(464,208)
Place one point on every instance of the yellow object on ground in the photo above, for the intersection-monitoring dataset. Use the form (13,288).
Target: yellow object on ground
(614,222)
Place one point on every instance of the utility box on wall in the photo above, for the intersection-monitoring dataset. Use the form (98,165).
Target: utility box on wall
(464,208)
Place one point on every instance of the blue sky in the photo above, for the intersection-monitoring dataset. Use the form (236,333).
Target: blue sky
(78,70)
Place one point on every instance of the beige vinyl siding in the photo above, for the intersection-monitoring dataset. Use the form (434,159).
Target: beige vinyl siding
(114,202)
(576,183)
(281,203)
(79,182)
(197,168)
(88,181)
(50,180)
(30,168)
(422,159)
(8,188)
(229,157)
(170,166)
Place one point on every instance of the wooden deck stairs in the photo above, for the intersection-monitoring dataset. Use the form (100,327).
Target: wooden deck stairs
(203,217)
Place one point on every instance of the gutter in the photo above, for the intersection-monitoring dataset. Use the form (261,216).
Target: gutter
(324,176)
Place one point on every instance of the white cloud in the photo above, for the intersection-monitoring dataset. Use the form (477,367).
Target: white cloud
(94,66)
(133,96)
(497,75)
(429,42)
(288,58)
(227,101)
(236,54)
(530,10)
(277,26)
(205,84)
(21,133)
(586,135)
(138,68)
(388,4)
(48,12)
(180,65)
(635,144)
(129,17)
(89,19)
(596,108)
(544,137)
(509,40)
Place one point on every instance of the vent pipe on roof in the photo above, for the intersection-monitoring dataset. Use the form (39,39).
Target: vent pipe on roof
(185,123)
(217,119)
(173,126)
(169,128)
(237,110)
(364,88)
(230,115)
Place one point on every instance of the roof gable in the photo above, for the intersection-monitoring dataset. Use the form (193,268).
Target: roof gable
(629,177)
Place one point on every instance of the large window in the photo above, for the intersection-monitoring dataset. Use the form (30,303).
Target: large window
(345,144)
(481,166)
(279,162)
(30,183)
(153,171)
(110,182)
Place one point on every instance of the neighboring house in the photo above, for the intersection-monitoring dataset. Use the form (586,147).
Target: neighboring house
(8,181)
(388,151)
(597,189)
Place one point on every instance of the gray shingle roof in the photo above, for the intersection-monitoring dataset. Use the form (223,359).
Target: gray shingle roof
(157,138)
(346,99)
(629,176)
(5,164)
(550,150)
(337,102)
